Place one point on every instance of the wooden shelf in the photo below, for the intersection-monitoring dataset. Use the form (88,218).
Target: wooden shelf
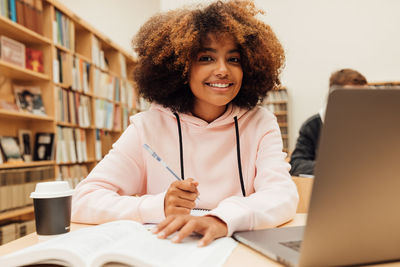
(20,33)
(277,102)
(104,98)
(74,163)
(83,39)
(280,113)
(18,73)
(108,130)
(62,85)
(69,87)
(23,115)
(63,48)
(86,59)
(112,73)
(11,214)
(12,165)
(385,83)
(73,125)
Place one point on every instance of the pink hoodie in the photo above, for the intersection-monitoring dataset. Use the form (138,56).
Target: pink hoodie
(210,157)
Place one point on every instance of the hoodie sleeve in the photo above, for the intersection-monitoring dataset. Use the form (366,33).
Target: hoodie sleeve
(275,199)
(108,193)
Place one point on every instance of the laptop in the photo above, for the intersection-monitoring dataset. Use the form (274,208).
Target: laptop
(354,212)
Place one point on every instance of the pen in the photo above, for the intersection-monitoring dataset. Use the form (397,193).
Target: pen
(154,155)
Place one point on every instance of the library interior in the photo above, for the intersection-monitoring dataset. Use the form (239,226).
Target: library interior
(69,90)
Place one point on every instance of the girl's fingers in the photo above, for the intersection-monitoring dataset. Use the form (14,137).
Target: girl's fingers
(185,231)
(208,226)
(207,239)
(188,195)
(188,185)
(171,227)
(162,224)
(184,203)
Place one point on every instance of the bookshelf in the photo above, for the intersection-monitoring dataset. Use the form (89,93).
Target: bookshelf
(85,89)
(385,84)
(277,102)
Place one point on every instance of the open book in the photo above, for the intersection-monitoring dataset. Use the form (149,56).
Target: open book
(123,242)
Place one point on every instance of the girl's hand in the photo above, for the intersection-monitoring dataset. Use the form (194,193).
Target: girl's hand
(210,227)
(180,197)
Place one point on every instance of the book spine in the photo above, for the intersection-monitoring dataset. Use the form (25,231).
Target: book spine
(12,10)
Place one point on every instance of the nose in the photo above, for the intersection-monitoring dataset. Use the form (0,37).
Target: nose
(221,69)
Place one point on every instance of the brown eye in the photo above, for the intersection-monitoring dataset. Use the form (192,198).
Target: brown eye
(234,59)
(205,58)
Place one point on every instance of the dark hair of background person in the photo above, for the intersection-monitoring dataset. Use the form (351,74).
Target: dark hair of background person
(168,42)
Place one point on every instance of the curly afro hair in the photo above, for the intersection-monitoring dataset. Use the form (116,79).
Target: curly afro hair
(168,42)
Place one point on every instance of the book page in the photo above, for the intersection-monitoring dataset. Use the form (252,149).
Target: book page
(125,242)
(42,253)
(78,248)
(142,248)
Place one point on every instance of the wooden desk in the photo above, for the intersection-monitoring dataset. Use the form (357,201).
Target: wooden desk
(241,255)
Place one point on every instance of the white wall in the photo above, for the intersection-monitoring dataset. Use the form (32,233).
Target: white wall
(321,36)
(117,19)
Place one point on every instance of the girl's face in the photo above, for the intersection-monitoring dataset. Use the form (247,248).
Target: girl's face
(215,76)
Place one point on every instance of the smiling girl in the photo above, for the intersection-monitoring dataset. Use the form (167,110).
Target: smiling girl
(204,70)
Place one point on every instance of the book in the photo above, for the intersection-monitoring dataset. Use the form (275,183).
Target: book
(19,7)
(12,10)
(12,51)
(10,149)
(106,142)
(97,146)
(29,99)
(44,143)
(1,162)
(25,144)
(117,118)
(18,183)
(4,8)
(28,14)
(123,242)
(38,11)
(61,150)
(34,59)
(7,105)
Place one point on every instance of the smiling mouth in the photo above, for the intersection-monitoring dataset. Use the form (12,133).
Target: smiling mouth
(219,85)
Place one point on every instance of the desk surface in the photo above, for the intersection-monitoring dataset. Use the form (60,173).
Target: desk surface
(241,255)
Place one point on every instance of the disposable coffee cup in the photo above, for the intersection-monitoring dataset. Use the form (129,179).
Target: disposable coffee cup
(52,205)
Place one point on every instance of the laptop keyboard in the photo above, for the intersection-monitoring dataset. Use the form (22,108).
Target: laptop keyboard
(295,245)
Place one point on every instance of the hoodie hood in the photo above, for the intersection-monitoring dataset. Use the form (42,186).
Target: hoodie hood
(226,118)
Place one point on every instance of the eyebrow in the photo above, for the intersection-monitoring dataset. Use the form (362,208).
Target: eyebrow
(208,49)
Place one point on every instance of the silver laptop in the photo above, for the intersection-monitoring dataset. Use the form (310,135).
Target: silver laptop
(354,212)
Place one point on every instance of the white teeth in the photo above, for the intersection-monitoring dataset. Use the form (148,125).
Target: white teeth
(219,85)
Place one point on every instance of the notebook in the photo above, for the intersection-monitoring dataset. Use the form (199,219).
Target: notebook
(353,217)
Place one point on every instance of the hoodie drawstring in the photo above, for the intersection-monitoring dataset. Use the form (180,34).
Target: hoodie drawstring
(237,149)
(238,156)
(180,144)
